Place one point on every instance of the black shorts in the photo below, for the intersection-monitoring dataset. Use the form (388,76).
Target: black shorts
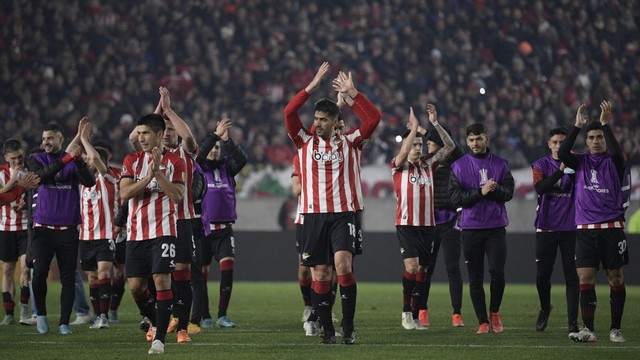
(94,251)
(298,237)
(416,242)
(358,217)
(325,234)
(219,245)
(121,252)
(153,256)
(13,244)
(185,247)
(198,238)
(606,246)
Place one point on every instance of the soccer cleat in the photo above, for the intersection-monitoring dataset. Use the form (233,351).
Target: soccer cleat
(310,328)
(173,324)
(193,329)
(207,323)
(543,319)
(407,321)
(145,324)
(151,333)
(584,335)
(483,328)
(496,322)
(328,339)
(113,316)
(95,324)
(306,313)
(423,317)
(418,325)
(25,312)
(157,348)
(103,322)
(42,324)
(224,322)
(456,320)
(31,321)
(82,320)
(615,335)
(183,337)
(8,320)
(348,338)
(64,330)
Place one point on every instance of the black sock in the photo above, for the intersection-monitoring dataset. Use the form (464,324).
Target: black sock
(163,313)
(8,303)
(105,296)
(24,295)
(147,305)
(617,298)
(183,297)
(588,304)
(349,293)
(226,285)
(94,296)
(408,284)
(117,290)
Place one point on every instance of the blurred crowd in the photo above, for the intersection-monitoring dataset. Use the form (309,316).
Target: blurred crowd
(520,66)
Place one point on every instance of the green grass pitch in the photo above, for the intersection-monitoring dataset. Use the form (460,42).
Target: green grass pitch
(269,327)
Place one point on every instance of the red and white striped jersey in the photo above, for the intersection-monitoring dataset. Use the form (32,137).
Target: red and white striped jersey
(152,214)
(296,172)
(185,209)
(329,167)
(11,220)
(98,207)
(413,183)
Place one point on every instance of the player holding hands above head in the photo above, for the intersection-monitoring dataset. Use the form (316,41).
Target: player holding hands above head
(599,218)
(328,163)
(413,183)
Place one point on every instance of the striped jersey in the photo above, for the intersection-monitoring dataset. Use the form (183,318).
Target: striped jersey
(11,220)
(329,167)
(296,172)
(152,214)
(98,206)
(185,210)
(413,184)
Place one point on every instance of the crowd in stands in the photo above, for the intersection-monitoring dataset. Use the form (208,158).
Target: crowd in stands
(521,67)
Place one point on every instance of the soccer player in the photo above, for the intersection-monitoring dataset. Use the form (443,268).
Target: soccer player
(599,218)
(13,234)
(328,165)
(97,246)
(152,182)
(481,184)
(176,128)
(55,231)
(555,229)
(446,234)
(413,183)
(221,160)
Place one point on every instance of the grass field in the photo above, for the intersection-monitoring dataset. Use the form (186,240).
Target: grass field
(269,327)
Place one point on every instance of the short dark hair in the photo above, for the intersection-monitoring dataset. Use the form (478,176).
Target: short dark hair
(476,129)
(558,131)
(406,134)
(104,155)
(54,127)
(154,121)
(327,106)
(11,145)
(594,125)
(103,144)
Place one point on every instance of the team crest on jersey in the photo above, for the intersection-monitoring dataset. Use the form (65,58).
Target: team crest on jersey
(328,156)
(305,255)
(594,176)
(484,176)
(90,194)
(123,171)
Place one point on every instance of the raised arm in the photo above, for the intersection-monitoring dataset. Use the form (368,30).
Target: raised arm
(133,139)
(407,144)
(92,154)
(210,141)
(564,153)
(362,106)
(612,143)
(449,145)
(291,118)
(183,130)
